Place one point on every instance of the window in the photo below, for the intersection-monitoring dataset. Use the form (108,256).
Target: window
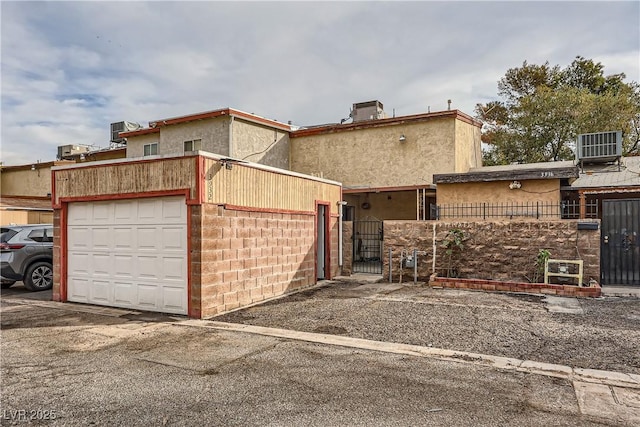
(151,149)
(37,235)
(193,145)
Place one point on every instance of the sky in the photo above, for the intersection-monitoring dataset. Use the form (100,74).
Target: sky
(69,69)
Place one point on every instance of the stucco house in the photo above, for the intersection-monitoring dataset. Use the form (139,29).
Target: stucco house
(520,191)
(211,211)
(25,193)
(386,164)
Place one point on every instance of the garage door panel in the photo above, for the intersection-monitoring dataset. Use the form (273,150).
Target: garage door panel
(124,238)
(174,269)
(171,211)
(101,264)
(79,238)
(172,299)
(148,210)
(150,267)
(101,239)
(101,212)
(124,294)
(100,292)
(124,266)
(173,239)
(148,238)
(79,263)
(124,212)
(148,296)
(78,289)
(80,215)
(129,253)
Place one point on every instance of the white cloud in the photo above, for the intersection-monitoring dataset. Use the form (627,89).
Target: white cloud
(71,68)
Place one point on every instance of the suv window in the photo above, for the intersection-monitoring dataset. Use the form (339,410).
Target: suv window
(37,235)
(48,235)
(6,234)
(42,235)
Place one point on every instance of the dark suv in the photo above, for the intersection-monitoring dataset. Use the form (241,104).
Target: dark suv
(26,254)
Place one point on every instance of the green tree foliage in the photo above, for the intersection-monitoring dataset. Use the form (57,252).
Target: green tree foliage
(543,108)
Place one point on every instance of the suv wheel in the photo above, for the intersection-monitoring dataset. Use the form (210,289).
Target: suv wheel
(39,276)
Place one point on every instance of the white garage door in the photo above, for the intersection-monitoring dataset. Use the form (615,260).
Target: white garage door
(129,253)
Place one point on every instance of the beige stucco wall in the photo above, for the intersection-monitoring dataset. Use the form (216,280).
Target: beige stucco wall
(537,190)
(384,205)
(259,144)
(25,182)
(135,144)
(374,157)
(249,141)
(214,134)
(468,151)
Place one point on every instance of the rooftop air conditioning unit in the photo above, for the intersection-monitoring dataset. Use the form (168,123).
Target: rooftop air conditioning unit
(123,126)
(371,110)
(599,147)
(67,151)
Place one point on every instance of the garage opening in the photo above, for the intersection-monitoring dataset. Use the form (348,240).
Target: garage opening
(129,253)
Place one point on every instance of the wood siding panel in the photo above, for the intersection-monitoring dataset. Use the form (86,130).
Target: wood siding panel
(251,187)
(127,178)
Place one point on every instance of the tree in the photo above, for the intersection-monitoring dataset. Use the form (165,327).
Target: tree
(543,108)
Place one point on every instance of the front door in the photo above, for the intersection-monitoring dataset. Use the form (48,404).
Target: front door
(321,242)
(620,248)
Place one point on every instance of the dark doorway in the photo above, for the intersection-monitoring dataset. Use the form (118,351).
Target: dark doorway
(367,247)
(620,247)
(322,233)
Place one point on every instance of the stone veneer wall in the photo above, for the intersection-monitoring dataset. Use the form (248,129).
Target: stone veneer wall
(504,250)
(239,257)
(347,248)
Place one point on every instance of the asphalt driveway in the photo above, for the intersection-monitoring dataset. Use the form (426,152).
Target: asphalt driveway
(72,364)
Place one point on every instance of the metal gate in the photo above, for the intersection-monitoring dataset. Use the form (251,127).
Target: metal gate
(620,248)
(367,247)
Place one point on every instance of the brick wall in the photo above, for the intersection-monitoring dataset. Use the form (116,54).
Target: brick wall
(246,257)
(56,256)
(504,250)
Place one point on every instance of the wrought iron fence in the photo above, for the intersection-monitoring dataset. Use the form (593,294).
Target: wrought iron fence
(535,210)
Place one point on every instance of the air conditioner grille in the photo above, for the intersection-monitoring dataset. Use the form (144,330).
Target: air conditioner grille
(599,146)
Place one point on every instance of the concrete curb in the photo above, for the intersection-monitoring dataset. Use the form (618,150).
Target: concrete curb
(618,379)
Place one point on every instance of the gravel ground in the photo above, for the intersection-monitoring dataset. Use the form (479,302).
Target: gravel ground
(605,336)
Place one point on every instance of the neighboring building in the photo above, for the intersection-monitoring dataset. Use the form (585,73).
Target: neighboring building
(613,190)
(227,132)
(605,181)
(26,193)
(608,190)
(523,191)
